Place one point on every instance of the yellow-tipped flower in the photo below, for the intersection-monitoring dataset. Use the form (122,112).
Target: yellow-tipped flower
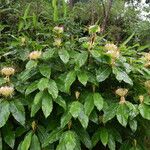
(141,98)
(122,92)
(57,42)
(35,55)
(147,56)
(7,71)
(6,91)
(58,29)
(112,50)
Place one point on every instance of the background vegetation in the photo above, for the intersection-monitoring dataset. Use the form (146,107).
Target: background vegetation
(62,93)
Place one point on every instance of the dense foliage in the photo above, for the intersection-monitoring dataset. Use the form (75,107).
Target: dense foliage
(66,85)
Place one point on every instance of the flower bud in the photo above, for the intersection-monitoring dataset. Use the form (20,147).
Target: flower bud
(23,40)
(6,91)
(121,92)
(58,29)
(94,29)
(35,55)
(7,71)
(77,94)
(141,98)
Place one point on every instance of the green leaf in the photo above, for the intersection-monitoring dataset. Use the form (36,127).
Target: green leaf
(45,70)
(9,135)
(103,73)
(123,114)
(65,119)
(26,142)
(96,137)
(48,54)
(2,81)
(36,103)
(104,136)
(31,88)
(98,101)
(53,89)
(110,112)
(83,118)
(82,77)
(111,143)
(70,78)
(60,101)
(64,55)
(83,136)
(47,104)
(122,76)
(67,140)
(133,125)
(81,58)
(144,111)
(89,104)
(43,84)
(75,109)
(31,64)
(4,113)
(35,144)
(53,137)
(1,145)
(17,110)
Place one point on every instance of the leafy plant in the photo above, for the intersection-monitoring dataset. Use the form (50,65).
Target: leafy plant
(65,89)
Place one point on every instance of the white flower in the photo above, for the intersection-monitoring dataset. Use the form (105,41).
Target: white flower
(6,91)
(7,71)
(35,55)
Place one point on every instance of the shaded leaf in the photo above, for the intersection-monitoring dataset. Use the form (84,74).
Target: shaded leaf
(103,73)
(75,109)
(53,89)
(26,142)
(144,111)
(35,144)
(60,101)
(98,101)
(47,104)
(64,55)
(43,84)
(89,104)
(104,136)
(4,112)
(70,78)
(17,110)
(65,119)
(45,70)
(9,135)
(31,88)
(53,137)
(82,77)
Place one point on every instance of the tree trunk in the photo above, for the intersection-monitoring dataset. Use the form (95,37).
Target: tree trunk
(106,14)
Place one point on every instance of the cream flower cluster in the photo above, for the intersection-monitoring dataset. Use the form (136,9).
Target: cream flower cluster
(122,93)
(147,85)
(112,50)
(7,71)
(59,29)
(57,42)
(35,55)
(6,91)
(147,58)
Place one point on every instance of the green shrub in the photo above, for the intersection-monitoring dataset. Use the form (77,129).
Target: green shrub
(65,89)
